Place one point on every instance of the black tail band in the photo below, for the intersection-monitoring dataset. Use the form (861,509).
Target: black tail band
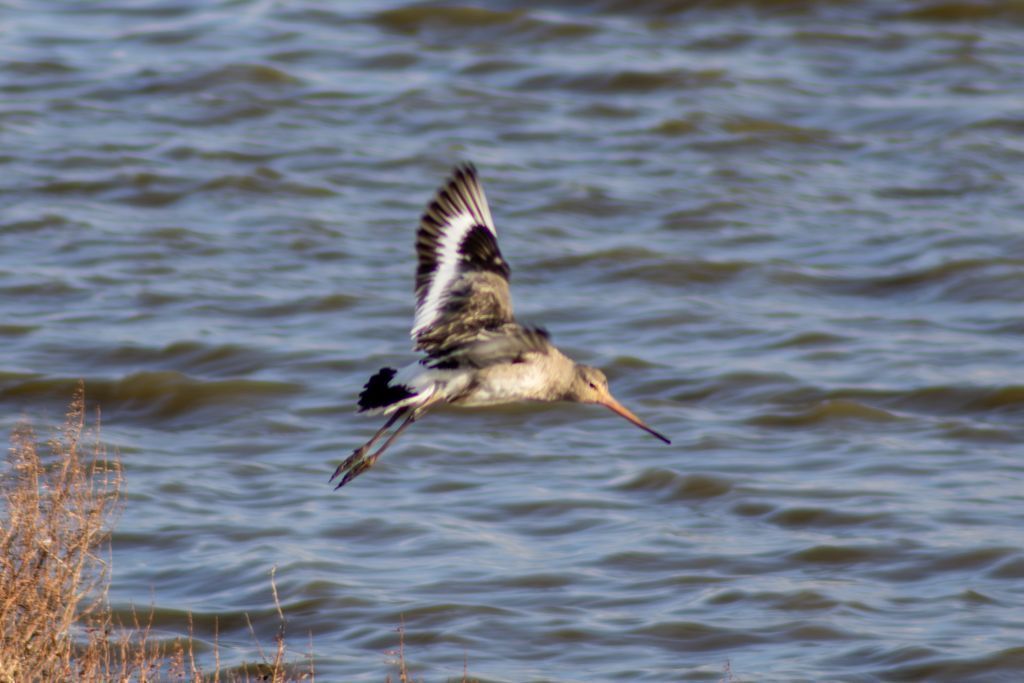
(379,393)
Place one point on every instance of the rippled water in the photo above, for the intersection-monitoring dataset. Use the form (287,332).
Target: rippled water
(792,232)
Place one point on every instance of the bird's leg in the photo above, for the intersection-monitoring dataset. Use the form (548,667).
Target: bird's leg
(361,451)
(366,463)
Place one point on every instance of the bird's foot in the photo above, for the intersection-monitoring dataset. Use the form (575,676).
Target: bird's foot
(358,468)
(349,462)
(359,462)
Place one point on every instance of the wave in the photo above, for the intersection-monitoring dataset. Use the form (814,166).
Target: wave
(786,400)
(830,410)
(952,280)
(154,395)
(628,81)
(157,189)
(673,486)
(477,23)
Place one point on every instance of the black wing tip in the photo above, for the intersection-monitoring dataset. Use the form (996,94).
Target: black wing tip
(463,174)
(464,168)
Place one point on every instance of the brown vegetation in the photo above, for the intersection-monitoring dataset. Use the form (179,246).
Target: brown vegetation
(57,511)
(56,514)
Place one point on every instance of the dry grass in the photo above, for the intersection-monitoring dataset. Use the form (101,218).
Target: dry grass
(56,514)
(57,511)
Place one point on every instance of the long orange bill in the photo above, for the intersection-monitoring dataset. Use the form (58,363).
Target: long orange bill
(625,412)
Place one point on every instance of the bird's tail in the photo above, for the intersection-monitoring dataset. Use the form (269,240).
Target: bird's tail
(381,396)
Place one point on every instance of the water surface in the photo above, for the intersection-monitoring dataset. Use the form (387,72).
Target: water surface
(791,232)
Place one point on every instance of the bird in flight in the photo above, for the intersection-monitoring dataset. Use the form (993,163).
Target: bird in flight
(475,353)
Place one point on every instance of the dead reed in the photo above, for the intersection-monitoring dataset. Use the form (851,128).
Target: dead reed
(58,507)
(57,510)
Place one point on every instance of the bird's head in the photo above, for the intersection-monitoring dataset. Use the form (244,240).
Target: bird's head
(589,385)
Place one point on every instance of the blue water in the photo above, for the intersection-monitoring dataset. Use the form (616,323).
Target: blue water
(791,233)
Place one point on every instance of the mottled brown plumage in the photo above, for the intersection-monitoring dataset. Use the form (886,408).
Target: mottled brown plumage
(477,295)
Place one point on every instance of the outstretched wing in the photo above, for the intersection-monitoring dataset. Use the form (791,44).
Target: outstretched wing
(462,279)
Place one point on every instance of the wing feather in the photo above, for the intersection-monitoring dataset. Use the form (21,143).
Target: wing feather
(461,277)
(508,343)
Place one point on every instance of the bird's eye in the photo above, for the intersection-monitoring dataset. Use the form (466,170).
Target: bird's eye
(593,386)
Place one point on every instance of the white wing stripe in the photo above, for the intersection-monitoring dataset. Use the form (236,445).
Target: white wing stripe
(447,270)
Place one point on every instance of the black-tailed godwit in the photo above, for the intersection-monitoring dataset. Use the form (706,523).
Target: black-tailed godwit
(476,354)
